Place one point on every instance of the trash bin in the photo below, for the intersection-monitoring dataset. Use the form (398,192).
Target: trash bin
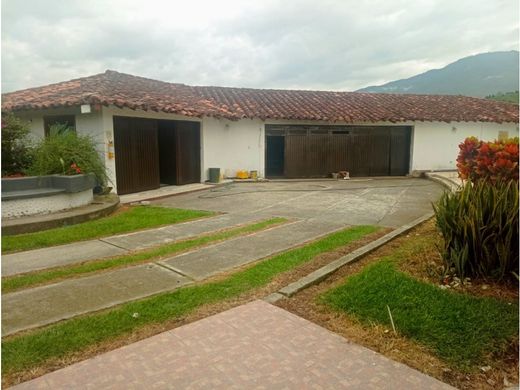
(214,175)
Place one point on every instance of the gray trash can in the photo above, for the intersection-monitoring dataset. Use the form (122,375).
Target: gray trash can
(214,175)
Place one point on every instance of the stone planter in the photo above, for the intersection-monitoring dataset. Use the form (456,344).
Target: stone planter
(45,194)
(75,183)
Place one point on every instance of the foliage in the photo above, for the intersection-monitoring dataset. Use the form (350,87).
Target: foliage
(16,146)
(66,153)
(479,225)
(510,97)
(139,217)
(490,161)
(459,328)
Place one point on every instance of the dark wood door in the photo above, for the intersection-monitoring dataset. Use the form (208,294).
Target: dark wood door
(136,154)
(400,151)
(187,152)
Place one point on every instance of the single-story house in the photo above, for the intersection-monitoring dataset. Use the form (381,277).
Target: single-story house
(152,132)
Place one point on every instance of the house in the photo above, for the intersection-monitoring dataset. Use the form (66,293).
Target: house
(153,132)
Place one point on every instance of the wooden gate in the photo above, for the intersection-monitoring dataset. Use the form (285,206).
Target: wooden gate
(137,159)
(317,151)
(152,152)
(187,152)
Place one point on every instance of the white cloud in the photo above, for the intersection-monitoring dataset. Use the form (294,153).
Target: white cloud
(337,45)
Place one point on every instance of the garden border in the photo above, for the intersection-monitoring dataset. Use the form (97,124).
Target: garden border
(325,271)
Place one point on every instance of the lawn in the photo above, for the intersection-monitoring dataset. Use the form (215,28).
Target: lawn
(135,218)
(17,282)
(459,328)
(42,346)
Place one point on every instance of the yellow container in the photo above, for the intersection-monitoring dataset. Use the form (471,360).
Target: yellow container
(242,175)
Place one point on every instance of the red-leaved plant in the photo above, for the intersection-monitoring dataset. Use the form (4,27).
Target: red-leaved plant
(490,161)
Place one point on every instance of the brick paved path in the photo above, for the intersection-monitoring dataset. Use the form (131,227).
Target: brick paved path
(254,346)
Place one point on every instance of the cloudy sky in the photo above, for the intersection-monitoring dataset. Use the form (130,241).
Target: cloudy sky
(303,44)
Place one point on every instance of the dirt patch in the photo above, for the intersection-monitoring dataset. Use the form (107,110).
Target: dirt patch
(202,312)
(504,368)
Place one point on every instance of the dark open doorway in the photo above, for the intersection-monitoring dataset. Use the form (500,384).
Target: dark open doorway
(167,157)
(275,155)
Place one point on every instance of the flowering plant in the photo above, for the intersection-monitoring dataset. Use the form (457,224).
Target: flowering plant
(490,161)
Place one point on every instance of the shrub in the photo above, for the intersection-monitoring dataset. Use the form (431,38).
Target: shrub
(16,146)
(491,161)
(66,153)
(480,229)
(479,223)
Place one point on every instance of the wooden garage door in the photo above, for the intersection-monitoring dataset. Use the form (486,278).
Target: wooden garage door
(316,151)
(137,156)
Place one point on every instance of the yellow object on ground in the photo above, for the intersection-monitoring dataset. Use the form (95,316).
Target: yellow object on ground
(242,175)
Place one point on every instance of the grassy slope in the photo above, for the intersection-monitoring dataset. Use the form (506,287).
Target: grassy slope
(139,217)
(17,282)
(24,352)
(459,328)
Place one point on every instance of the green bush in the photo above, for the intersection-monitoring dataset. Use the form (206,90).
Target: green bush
(16,146)
(66,153)
(479,224)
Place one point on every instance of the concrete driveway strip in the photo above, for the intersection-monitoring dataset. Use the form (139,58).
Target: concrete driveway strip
(253,346)
(229,254)
(78,252)
(180,231)
(47,304)
(55,256)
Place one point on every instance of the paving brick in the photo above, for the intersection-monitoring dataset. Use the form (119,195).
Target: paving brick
(254,346)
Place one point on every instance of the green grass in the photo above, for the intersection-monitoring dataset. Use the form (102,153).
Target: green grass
(17,282)
(460,328)
(139,217)
(24,352)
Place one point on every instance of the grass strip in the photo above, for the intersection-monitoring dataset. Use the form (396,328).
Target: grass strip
(460,328)
(27,351)
(136,218)
(17,282)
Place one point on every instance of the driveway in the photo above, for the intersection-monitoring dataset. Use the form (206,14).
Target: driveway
(316,208)
(389,202)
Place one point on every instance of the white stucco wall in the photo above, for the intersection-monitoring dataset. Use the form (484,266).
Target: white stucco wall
(233,146)
(435,144)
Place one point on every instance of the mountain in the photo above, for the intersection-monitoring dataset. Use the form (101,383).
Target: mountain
(479,75)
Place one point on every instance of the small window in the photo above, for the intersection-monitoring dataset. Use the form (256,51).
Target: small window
(271,131)
(65,120)
(297,132)
(341,132)
(319,131)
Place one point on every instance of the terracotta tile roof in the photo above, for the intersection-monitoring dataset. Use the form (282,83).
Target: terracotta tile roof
(123,90)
